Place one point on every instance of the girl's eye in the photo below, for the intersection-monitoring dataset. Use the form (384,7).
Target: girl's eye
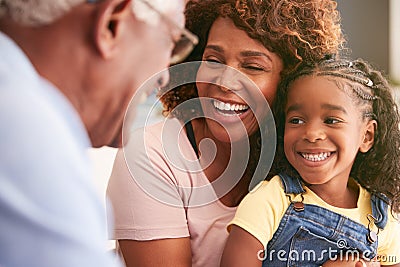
(332,121)
(296,121)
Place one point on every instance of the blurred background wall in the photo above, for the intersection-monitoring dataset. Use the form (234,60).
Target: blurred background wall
(372,28)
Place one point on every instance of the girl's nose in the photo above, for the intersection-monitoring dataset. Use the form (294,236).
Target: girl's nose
(314,132)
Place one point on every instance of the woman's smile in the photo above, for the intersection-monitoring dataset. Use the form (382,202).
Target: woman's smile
(230,109)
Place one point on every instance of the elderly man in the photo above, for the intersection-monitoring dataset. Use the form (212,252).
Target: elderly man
(68,69)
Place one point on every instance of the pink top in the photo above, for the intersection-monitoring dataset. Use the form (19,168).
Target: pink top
(168,196)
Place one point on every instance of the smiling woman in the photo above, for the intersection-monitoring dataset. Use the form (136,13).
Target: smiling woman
(184,197)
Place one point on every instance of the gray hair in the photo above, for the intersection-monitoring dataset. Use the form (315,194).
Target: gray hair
(36,12)
(42,12)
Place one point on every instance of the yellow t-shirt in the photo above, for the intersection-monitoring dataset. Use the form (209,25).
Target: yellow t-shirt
(261,211)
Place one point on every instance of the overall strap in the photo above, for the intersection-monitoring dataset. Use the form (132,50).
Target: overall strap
(379,205)
(291,185)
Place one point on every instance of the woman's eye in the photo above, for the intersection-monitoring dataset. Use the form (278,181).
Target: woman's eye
(213,63)
(212,60)
(254,67)
(296,121)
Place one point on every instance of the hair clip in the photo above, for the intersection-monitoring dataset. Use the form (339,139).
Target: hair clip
(369,82)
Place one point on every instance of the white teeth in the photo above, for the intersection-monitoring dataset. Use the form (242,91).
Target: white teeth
(229,107)
(316,157)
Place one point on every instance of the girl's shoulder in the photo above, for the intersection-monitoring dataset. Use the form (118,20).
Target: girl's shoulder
(275,183)
(268,194)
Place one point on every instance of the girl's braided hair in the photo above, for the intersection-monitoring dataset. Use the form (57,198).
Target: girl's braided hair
(377,170)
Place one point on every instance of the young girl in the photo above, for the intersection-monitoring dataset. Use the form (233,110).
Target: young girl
(338,161)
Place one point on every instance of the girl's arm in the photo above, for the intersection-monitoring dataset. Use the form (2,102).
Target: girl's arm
(172,252)
(242,249)
(353,263)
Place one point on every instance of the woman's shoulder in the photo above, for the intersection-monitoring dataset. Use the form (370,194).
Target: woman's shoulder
(166,131)
(157,128)
(156,135)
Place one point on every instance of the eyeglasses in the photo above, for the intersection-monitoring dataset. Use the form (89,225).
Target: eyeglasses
(186,42)
(182,46)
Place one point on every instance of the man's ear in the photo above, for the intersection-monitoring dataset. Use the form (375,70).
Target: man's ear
(369,136)
(111,14)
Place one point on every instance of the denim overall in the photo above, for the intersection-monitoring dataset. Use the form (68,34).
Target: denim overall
(309,235)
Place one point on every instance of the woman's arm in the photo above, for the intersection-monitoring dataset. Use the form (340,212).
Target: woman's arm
(150,230)
(242,249)
(172,252)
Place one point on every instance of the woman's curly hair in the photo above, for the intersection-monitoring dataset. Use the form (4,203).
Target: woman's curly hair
(377,170)
(295,30)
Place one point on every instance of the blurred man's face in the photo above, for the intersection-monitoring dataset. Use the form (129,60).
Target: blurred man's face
(147,51)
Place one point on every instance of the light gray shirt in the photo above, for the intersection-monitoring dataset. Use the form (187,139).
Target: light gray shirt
(50,211)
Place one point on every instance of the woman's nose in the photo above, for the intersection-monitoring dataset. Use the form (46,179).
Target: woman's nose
(230,79)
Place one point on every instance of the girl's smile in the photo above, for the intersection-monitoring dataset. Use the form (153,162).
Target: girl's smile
(320,156)
(316,157)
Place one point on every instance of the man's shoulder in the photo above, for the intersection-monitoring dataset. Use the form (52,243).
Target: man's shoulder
(36,136)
